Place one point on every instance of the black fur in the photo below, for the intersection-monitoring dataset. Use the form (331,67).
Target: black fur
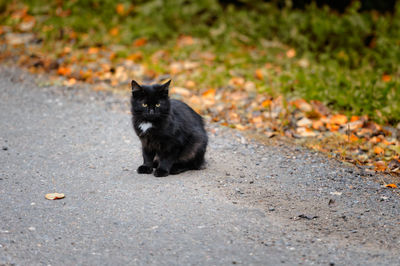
(176,140)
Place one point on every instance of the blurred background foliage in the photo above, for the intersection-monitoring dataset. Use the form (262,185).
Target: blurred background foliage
(350,49)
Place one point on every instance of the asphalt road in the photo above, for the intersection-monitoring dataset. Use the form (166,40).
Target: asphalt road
(254,204)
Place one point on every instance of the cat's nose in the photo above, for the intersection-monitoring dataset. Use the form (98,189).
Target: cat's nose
(151,111)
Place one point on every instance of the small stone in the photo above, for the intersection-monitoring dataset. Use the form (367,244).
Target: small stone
(4,148)
(271,209)
(31,228)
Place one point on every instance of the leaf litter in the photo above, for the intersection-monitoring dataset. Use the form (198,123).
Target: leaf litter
(238,104)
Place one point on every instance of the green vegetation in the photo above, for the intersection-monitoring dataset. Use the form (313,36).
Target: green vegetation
(350,61)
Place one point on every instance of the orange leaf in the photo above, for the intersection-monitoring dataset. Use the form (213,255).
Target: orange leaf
(338,119)
(210,93)
(114,31)
(240,127)
(257,119)
(353,138)
(302,105)
(259,75)
(54,196)
(354,118)
(135,56)
(391,185)
(386,78)
(185,40)
(120,9)
(380,166)
(64,71)
(140,42)
(375,139)
(291,53)
(317,124)
(332,127)
(266,103)
(379,150)
(93,50)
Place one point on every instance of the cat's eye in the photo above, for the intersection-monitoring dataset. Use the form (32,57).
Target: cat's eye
(144,104)
(158,105)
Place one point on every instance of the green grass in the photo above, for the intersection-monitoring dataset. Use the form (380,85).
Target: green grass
(340,58)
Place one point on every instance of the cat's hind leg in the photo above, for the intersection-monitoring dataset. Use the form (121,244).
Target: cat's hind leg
(178,168)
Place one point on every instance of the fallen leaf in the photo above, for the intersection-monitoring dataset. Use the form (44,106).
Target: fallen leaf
(64,71)
(185,40)
(237,81)
(54,196)
(380,166)
(305,132)
(338,119)
(181,91)
(140,42)
(353,138)
(259,75)
(354,118)
(379,150)
(386,78)
(266,103)
(317,124)
(332,127)
(291,53)
(190,84)
(210,93)
(114,31)
(93,50)
(391,185)
(302,105)
(304,122)
(135,56)
(120,9)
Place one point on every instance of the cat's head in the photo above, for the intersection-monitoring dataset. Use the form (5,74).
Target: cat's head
(150,102)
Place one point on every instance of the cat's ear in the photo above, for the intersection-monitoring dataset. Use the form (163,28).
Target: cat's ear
(165,87)
(135,86)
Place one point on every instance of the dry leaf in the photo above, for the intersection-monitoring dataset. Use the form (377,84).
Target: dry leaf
(378,150)
(302,105)
(54,196)
(318,125)
(181,91)
(93,50)
(380,166)
(338,119)
(64,71)
(140,42)
(210,93)
(114,31)
(185,40)
(266,103)
(386,78)
(291,53)
(259,75)
(120,9)
(353,138)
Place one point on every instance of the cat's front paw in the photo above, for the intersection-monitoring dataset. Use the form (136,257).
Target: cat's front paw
(160,172)
(144,169)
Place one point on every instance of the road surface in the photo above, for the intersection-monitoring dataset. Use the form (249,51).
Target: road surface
(254,204)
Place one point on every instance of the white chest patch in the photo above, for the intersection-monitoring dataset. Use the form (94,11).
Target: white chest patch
(145,126)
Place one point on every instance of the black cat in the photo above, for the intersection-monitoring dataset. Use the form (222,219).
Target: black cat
(172,134)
